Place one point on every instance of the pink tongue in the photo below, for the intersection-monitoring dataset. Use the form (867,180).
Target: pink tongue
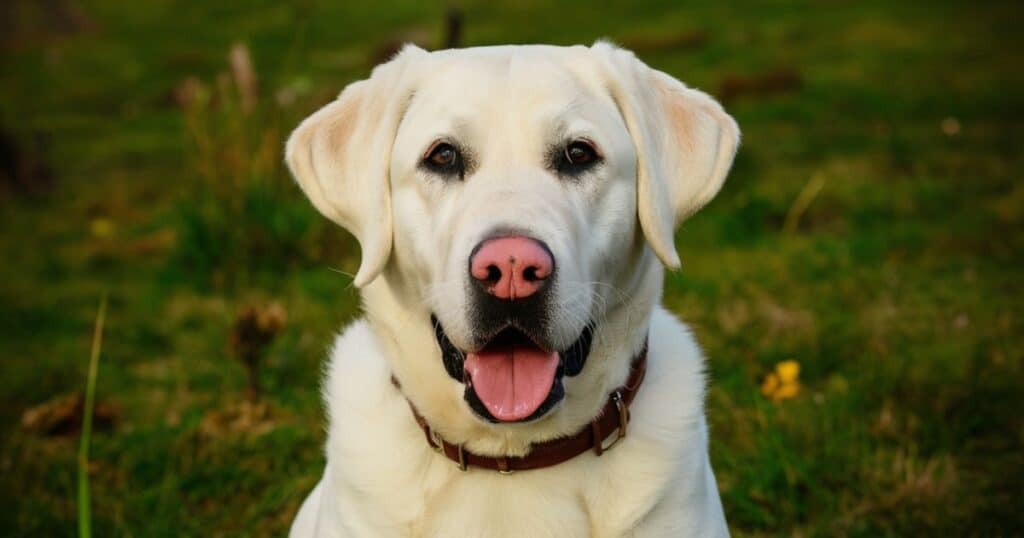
(512,382)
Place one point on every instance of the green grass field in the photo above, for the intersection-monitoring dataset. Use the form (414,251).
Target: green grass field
(870,230)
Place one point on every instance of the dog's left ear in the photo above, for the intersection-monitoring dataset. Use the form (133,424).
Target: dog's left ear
(685,144)
(341,156)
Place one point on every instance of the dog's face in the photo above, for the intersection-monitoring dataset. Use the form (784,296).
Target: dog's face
(515,208)
(512,197)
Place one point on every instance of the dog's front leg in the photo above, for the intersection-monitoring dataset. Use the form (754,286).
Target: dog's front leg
(320,515)
(692,507)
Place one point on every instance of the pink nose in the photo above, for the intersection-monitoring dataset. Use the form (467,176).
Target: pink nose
(511,267)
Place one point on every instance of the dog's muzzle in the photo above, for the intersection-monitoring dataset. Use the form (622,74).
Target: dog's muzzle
(511,377)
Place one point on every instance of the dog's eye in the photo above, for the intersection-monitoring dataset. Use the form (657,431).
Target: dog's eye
(579,153)
(443,155)
(577,156)
(443,158)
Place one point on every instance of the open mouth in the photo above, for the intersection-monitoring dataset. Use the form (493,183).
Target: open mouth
(513,378)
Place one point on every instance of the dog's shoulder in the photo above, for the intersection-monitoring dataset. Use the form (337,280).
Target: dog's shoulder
(672,399)
(356,373)
(674,352)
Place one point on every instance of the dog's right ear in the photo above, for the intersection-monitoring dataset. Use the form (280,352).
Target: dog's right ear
(685,144)
(340,157)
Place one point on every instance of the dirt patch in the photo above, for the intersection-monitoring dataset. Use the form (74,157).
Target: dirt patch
(775,82)
(61,416)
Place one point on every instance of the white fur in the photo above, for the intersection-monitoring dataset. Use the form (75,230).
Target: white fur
(666,149)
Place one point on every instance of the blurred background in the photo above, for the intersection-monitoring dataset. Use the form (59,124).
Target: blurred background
(856,285)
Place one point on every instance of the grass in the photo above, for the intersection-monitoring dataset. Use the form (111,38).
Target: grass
(870,231)
(84,502)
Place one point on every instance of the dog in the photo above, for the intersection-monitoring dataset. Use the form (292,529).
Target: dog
(514,373)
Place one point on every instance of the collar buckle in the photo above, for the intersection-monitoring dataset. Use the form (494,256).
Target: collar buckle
(438,445)
(461,464)
(620,432)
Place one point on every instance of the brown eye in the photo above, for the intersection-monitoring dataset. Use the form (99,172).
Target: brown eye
(443,159)
(575,158)
(443,155)
(580,153)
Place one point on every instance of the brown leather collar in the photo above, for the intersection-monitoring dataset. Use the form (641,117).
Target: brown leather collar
(613,418)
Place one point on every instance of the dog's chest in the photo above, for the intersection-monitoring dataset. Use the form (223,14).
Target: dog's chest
(556,502)
(426,496)
(486,507)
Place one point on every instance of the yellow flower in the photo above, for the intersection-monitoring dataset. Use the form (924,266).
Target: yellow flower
(786,391)
(788,371)
(783,383)
(101,227)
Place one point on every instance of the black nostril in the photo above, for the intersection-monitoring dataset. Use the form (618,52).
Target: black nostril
(493,273)
(530,274)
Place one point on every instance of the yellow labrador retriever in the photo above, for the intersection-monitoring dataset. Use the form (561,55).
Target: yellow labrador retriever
(514,374)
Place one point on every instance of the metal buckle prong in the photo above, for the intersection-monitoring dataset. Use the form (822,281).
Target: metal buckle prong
(462,459)
(620,433)
(623,413)
(438,444)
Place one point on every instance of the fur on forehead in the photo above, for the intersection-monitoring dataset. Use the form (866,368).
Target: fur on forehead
(539,76)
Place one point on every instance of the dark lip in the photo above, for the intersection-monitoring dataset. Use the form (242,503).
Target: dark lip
(571,362)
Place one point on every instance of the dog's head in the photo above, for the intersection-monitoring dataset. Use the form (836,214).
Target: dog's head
(507,201)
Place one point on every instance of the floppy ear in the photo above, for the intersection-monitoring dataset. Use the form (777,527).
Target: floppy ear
(685,145)
(340,157)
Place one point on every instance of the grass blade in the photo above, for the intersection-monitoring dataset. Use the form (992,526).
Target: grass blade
(84,510)
(802,202)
